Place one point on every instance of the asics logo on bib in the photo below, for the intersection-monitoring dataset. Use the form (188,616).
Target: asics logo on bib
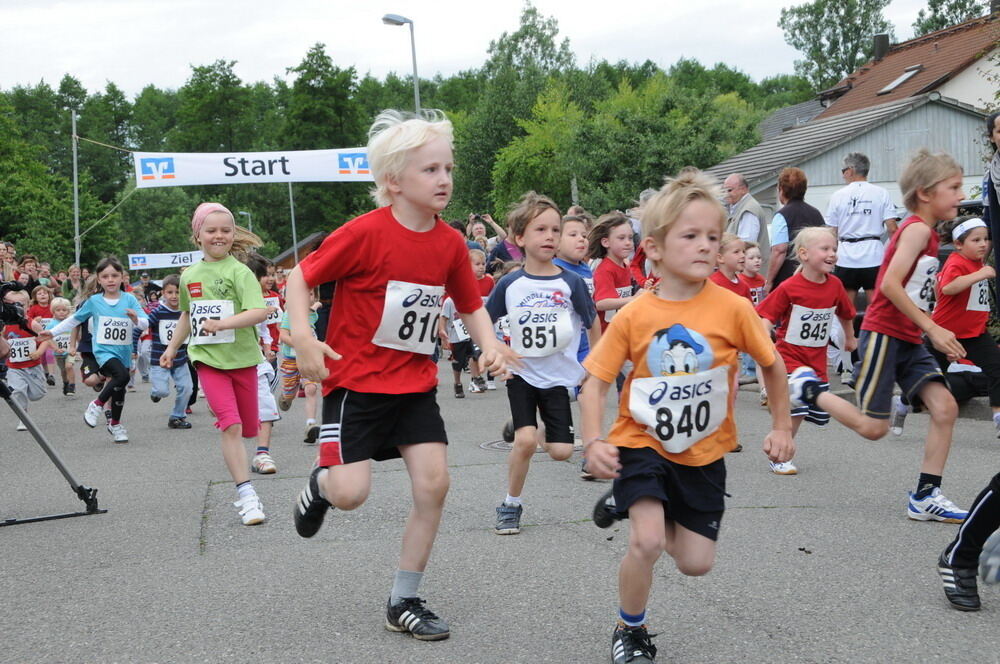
(664,390)
(529,317)
(208,309)
(424,300)
(818,316)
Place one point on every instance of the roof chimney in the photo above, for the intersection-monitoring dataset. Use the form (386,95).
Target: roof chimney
(882,44)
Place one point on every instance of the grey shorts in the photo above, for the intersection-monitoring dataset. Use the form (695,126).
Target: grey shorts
(30,382)
(886,360)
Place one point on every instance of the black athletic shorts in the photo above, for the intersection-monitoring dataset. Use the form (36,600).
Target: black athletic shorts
(461,353)
(88,365)
(362,425)
(857,278)
(693,496)
(551,402)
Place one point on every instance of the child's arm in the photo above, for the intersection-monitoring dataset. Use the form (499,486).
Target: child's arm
(497,356)
(309,351)
(443,332)
(74,338)
(40,349)
(247,318)
(909,246)
(778,444)
(613,303)
(285,337)
(602,456)
(181,333)
(594,333)
(850,341)
(964,282)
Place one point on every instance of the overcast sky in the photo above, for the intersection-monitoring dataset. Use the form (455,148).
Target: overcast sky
(137,42)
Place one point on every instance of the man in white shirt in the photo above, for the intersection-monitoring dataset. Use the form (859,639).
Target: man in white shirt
(860,212)
(747,218)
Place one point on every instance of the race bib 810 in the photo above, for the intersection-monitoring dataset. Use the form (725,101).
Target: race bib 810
(410,317)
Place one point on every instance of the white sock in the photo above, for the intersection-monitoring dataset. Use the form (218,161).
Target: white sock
(902,407)
(310,421)
(512,500)
(245,490)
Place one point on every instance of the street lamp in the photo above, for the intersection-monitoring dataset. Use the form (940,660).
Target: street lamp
(396,19)
(249,219)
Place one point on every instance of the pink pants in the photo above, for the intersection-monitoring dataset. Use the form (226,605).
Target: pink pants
(232,396)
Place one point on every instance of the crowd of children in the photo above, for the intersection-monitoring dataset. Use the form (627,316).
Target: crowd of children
(568,319)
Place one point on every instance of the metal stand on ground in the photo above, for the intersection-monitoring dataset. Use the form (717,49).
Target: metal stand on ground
(84,493)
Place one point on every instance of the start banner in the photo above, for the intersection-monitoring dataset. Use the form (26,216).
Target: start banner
(157,261)
(177,169)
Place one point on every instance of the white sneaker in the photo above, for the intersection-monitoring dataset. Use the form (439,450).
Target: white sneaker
(20,426)
(898,417)
(473,388)
(119,433)
(251,510)
(263,463)
(786,468)
(92,413)
(490,384)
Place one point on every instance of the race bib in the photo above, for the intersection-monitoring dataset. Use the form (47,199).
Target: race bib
(275,316)
(21,349)
(503,327)
(113,331)
(409,317)
(623,291)
(460,331)
(540,331)
(202,310)
(589,281)
(979,296)
(678,411)
(809,327)
(62,343)
(920,286)
(166,331)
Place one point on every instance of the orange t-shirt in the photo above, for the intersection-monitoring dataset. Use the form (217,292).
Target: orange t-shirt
(685,358)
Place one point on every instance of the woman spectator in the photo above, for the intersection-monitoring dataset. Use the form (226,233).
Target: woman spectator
(73,284)
(794,215)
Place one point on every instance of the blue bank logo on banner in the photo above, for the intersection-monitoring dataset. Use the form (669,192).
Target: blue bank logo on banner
(157,168)
(137,261)
(353,163)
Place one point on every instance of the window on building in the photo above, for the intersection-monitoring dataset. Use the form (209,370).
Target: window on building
(907,74)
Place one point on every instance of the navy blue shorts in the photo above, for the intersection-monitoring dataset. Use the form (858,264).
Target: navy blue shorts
(886,360)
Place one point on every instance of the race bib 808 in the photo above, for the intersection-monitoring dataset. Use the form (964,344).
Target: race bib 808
(114,331)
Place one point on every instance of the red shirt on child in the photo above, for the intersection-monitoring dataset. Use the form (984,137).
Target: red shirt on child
(38,311)
(272,299)
(882,316)
(965,313)
(803,313)
(611,281)
(756,286)
(486,285)
(739,286)
(363,256)
(12,333)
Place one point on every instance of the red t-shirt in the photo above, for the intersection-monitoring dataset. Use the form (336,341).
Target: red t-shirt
(611,281)
(272,328)
(756,286)
(485,285)
(882,316)
(38,311)
(803,313)
(965,313)
(739,287)
(362,256)
(11,332)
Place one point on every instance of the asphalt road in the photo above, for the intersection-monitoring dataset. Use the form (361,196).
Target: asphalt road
(819,567)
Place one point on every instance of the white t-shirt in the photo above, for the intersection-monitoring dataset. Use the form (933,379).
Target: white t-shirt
(748,227)
(860,210)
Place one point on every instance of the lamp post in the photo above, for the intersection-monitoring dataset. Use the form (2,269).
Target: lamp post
(396,19)
(249,219)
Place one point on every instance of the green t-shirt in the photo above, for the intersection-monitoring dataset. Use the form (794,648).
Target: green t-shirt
(218,290)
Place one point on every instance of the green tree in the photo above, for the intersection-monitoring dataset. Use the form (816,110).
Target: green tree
(212,112)
(154,116)
(106,117)
(941,14)
(834,35)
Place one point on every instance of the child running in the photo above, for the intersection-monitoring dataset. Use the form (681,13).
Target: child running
(731,260)
(163,320)
(891,344)
(392,267)
(292,381)
(111,315)
(41,310)
(611,241)
(267,407)
(221,302)
(802,309)
(675,418)
(963,307)
(751,275)
(61,309)
(25,375)
(548,308)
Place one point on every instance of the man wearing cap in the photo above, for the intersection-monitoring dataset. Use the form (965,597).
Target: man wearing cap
(746,216)
(146,285)
(860,212)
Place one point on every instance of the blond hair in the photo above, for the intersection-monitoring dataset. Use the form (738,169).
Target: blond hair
(390,139)
(666,205)
(925,171)
(478,252)
(727,239)
(60,302)
(805,237)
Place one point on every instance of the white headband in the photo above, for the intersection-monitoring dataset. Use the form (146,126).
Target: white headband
(967,226)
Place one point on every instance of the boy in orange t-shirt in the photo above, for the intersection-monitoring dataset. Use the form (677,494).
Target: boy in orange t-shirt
(675,417)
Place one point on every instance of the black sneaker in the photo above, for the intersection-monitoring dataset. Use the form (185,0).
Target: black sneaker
(50,379)
(178,423)
(959,585)
(508,432)
(410,615)
(71,390)
(508,519)
(310,508)
(632,644)
(459,392)
(604,510)
(155,398)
